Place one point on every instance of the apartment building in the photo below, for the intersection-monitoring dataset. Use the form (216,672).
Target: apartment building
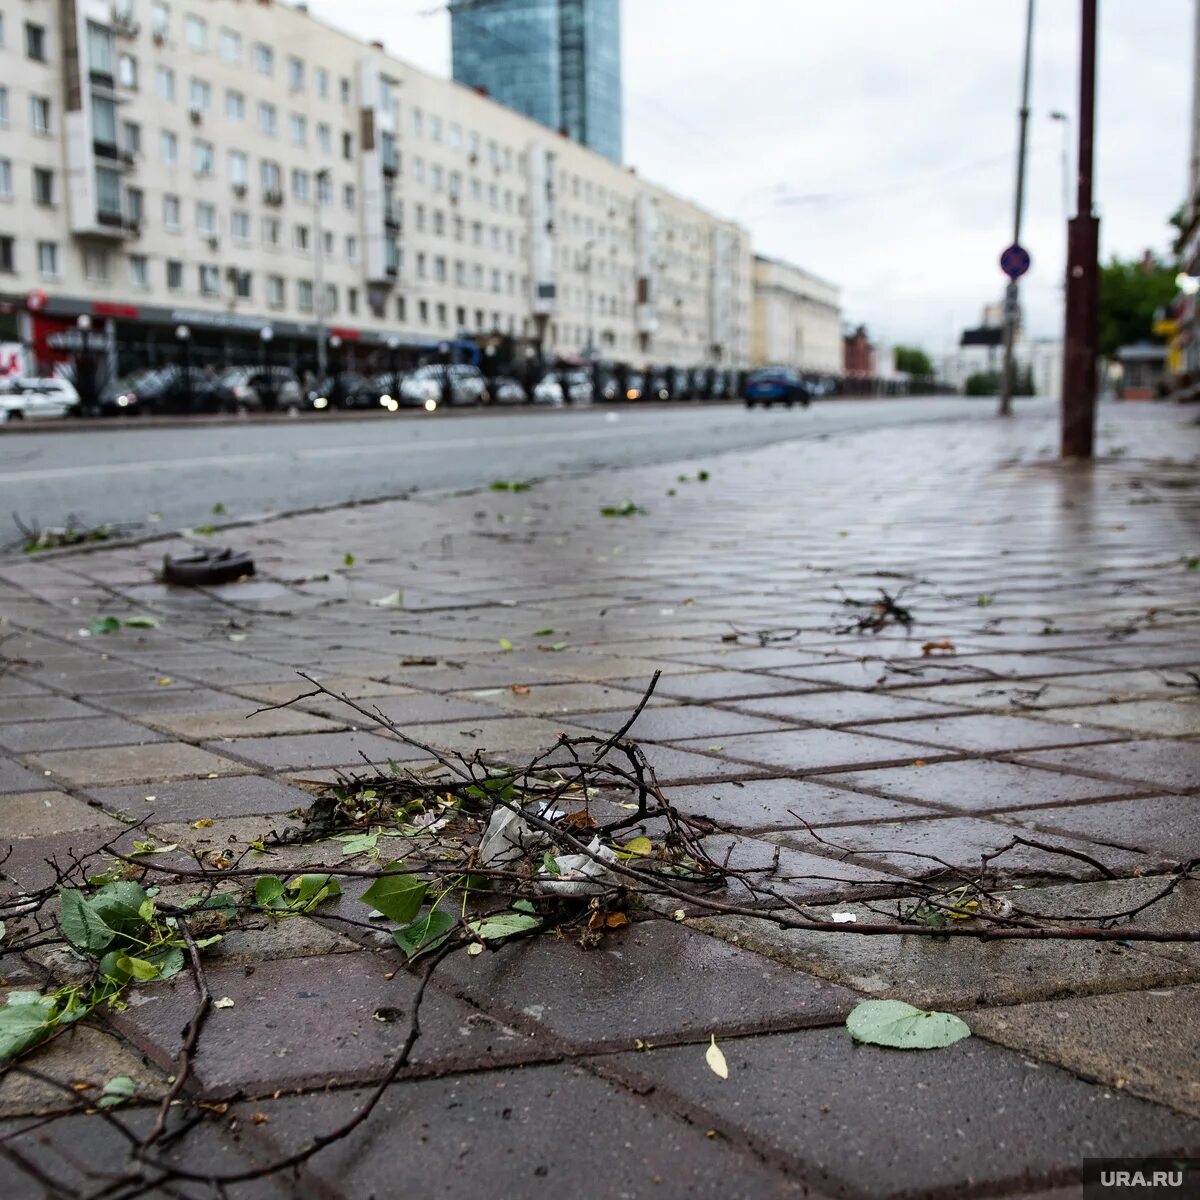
(797,319)
(236,170)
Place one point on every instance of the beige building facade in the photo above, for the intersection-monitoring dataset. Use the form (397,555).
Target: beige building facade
(243,169)
(797,319)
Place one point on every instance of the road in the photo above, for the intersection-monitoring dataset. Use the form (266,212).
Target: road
(171,477)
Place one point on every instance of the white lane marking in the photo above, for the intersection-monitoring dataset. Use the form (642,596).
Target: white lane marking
(319,452)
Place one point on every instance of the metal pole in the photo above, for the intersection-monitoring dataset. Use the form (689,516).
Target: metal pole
(1011,293)
(319,275)
(1080,335)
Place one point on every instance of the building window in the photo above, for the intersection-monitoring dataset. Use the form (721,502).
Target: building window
(96,265)
(328,240)
(6,179)
(160,19)
(171,212)
(304,295)
(170,148)
(235,106)
(271,176)
(195,32)
(239,225)
(270,231)
(206,219)
(300,237)
(300,181)
(264,59)
(345,90)
(441,315)
(131,137)
(351,247)
(348,196)
(266,118)
(47,253)
(108,194)
(139,270)
(8,259)
(135,206)
(275,292)
(239,168)
(323,83)
(100,50)
(201,96)
(352,301)
(3,108)
(347,146)
(231,45)
(439,269)
(104,123)
(43,186)
(35,41)
(39,114)
(325,138)
(210,280)
(299,128)
(202,157)
(295,70)
(174,275)
(243,285)
(164,79)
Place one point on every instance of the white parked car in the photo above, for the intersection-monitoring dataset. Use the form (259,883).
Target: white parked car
(28,398)
(467,385)
(548,391)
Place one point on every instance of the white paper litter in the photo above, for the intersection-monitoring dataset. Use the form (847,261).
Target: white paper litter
(580,874)
(506,839)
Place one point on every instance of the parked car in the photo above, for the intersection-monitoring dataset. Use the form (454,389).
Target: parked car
(273,388)
(344,389)
(238,381)
(549,391)
(658,385)
(608,386)
(453,383)
(26,398)
(635,386)
(576,385)
(506,390)
(171,389)
(718,386)
(777,385)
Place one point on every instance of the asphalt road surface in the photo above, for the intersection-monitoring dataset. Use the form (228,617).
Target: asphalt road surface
(170,477)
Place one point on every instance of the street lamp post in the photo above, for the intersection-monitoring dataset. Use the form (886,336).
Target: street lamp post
(393,344)
(85,376)
(265,334)
(322,178)
(183,335)
(335,368)
(1012,291)
(1083,244)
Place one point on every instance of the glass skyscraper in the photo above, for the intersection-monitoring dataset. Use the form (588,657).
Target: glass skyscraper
(557,61)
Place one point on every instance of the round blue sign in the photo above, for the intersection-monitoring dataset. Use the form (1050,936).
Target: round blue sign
(1014,262)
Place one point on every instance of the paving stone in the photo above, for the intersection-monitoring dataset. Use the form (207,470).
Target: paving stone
(289,752)
(91,677)
(172,698)
(34,814)
(1174,765)
(1146,1043)
(303,1021)
(814,1096)
(980,786)
(242,723)
(517,1134)
(715,685)
(128,764)
(988,733)
(560,699)
(192,799)
(804,750)
(412,709)
(1159,825)
(355,686)
(920,849)
(494,735)
(654,981)
(265,939)
(676,722)
(758,803)
(1007,695)
(1154,718)
(843,708)
(15,778)
(43,708)
(84,1058)
(20,738)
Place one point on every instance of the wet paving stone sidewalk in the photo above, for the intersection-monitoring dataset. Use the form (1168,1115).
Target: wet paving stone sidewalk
(1046,689)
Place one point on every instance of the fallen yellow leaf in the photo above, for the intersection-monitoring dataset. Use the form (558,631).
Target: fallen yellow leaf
(716,1060)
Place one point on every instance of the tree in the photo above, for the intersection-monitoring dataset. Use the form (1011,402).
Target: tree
(913,361)
(1130,294)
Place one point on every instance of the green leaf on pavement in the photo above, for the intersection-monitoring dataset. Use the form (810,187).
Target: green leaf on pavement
(506,646)
(309,890)
(24,1021)
(141,622)
(398,897)
(348,559)
(510,485)
(425,933)
(503,925)
(117,1091)
(626,508)
(542,633)
(894,1023)
(105,625)
(82,925)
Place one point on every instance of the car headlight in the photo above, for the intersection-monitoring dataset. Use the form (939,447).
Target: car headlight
(321,402)
(431,405)
(633,394)
(392,405)
(386,401)
(124,401)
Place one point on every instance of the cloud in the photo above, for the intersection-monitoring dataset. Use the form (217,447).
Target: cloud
(903,118)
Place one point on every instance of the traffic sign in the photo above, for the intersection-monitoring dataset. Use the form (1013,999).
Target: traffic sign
(1014,262)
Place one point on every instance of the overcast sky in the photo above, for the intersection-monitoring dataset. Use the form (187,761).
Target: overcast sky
(892,127)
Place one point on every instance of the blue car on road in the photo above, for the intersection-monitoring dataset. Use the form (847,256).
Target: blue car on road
(777,385)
